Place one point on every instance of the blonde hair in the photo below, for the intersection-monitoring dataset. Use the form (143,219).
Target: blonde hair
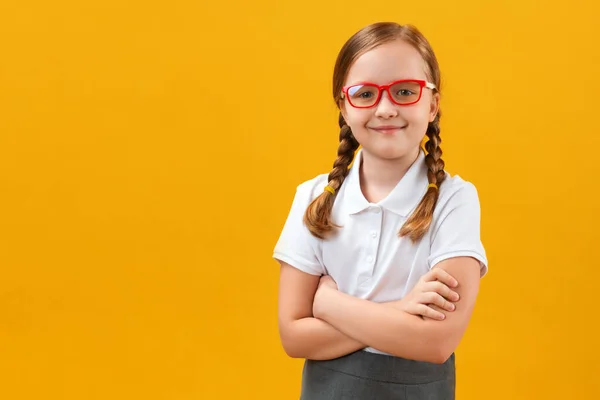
(317,217)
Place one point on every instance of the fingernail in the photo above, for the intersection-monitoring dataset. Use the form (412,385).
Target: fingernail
(452,307)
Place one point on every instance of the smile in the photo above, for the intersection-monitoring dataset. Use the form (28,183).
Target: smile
(387,128)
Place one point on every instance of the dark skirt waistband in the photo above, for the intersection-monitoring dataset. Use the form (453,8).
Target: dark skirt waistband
(386,368)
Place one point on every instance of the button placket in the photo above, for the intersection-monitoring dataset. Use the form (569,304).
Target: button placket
(374,237)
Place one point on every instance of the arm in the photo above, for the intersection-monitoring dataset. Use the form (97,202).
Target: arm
(389,329)
(302,335)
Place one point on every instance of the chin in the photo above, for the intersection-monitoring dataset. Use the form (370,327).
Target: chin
(387,154)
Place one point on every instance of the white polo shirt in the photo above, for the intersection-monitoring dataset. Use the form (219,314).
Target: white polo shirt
(366,258)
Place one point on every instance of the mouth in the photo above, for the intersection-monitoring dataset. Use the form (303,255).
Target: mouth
(388,129)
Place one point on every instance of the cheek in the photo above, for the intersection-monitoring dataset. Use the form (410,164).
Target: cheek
(417,115)
(357,119)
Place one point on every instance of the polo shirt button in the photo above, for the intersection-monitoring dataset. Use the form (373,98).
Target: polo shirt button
(374,234)
(377,210)
(369,259)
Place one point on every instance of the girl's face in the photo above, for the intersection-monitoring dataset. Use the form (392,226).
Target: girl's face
(406,124)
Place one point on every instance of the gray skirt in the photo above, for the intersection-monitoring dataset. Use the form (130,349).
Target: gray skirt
(369,376)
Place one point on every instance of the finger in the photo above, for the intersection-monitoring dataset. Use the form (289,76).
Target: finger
(442,289)
(442,276)
(430,312)
(441,302)
(446,291)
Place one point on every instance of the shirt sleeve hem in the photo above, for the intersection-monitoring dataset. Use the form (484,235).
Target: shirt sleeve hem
(465,253)
(296,264)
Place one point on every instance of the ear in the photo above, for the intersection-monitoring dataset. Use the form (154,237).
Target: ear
(435,106)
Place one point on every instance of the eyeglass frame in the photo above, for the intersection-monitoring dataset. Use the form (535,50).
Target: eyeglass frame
(380,88)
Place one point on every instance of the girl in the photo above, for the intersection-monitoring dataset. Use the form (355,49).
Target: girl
(381,260)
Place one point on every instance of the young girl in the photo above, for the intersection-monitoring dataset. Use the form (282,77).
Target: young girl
(381,260)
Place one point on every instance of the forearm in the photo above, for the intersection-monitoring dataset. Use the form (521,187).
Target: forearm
(381,326)
(315,339)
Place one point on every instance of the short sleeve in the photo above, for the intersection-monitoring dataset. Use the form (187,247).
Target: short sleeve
(296,245)
(457,229)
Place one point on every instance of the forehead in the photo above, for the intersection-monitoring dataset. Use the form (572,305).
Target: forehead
(387,62)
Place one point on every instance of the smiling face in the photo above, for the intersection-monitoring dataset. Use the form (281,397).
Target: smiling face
(388,130)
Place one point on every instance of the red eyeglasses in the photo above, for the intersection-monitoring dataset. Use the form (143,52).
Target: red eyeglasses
(403,92)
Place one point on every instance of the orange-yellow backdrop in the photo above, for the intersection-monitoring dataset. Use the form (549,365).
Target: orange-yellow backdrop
(149,153)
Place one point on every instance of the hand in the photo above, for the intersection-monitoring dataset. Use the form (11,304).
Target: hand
(326,283)
(431,295)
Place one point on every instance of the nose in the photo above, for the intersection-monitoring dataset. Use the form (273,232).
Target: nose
(386,108)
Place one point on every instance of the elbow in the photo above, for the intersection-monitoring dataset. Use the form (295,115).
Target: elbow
(439,344)
(295,348)
(291,350)
(441,352)
(289,344)
(440,356)
(292,353)
(432,349)
(433,355)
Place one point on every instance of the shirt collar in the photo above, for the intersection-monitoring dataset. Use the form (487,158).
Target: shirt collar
(401,200)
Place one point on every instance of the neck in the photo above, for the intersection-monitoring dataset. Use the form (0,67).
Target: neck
(379,176)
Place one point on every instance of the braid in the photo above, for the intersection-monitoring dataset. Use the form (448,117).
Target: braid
(433,159)
(317,217)
(420,220)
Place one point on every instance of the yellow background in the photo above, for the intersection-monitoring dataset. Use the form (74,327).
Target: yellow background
(149,153)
